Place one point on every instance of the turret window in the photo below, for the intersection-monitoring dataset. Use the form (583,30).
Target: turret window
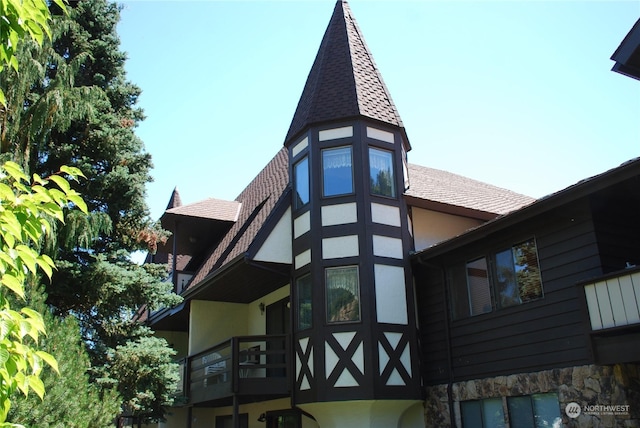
(304,302)
(343,294)
(301,182)
(337,171)
(381,173)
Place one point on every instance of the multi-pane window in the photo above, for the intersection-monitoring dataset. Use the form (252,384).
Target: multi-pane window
(343,294)
(304,302)
(381,172)
(486,413)
(301,182)
(528,411)
(537,410)
(501,279)
(337,171)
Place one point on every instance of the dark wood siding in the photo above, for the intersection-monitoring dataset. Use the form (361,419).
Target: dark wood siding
(547,333)
(615,215)
(432,324)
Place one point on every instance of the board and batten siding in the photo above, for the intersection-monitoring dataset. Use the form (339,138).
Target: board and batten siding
(546,333)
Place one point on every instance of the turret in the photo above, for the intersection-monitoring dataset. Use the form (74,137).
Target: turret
(354,326)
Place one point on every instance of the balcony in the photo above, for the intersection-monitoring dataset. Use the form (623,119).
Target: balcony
(249,368)
(613,305)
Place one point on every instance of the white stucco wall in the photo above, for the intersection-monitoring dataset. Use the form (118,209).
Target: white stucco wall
(212,322)
(431,227)
(256,319)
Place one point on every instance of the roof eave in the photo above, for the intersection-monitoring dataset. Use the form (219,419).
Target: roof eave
(572,193)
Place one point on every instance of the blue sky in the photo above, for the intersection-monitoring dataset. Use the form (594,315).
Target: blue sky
(516,94)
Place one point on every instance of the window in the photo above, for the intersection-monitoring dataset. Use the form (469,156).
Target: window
(518,275)
(304,305)
(538,410)
(301,181)
(343,294)
(478,285)
(381,173)
(486,413)
(529,411)
(502,279)
(337,174)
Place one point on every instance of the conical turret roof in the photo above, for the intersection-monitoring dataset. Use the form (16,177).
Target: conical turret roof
(175,200)
(344,81)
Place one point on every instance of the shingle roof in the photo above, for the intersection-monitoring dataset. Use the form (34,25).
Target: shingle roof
(175,200)
(452,189)
(344,81)
(256,201)
(214,209)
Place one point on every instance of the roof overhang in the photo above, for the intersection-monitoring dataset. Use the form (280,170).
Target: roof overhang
(627,56)
(193,234)
(448,208)
(584,188)
(239,281)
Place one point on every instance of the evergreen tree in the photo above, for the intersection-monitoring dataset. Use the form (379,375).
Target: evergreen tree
(71,400)
(73,106)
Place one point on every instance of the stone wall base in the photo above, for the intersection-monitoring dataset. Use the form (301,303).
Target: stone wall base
(592,387)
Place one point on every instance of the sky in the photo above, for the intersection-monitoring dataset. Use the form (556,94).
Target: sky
(518,94)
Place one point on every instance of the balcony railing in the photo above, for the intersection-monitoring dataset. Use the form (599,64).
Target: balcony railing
(241,366)
(614,300)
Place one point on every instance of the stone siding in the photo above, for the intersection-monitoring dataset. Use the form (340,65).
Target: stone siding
(589,386)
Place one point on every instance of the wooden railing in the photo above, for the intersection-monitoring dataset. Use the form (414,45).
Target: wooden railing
(243,366)
(614,300)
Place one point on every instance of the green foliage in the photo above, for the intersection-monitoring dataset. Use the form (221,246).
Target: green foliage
(71,104)
(26,211)
(71,401)
(19,18)
(148,376)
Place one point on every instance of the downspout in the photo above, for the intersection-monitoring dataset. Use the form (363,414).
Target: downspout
(447,336)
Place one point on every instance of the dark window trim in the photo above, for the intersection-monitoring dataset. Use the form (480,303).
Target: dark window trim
(297,207)
(490,255)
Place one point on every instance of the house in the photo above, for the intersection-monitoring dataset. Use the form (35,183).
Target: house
(535,310)
(320,296)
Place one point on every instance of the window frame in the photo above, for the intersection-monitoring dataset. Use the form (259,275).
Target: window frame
(461,301)
(351,167)
(296,182)
(299,302)
(476,410)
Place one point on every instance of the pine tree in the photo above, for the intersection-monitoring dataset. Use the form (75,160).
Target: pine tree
(71,400)
(74,106)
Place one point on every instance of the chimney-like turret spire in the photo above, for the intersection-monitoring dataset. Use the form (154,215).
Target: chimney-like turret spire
(344,81)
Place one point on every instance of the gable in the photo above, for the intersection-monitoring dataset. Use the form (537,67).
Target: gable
(276,247)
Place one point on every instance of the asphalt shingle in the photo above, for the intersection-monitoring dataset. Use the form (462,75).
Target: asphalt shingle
(344,81)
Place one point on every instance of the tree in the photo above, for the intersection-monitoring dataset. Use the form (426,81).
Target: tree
(27,211)
(73,106)
(22,18)
(144,389)
(71,401)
